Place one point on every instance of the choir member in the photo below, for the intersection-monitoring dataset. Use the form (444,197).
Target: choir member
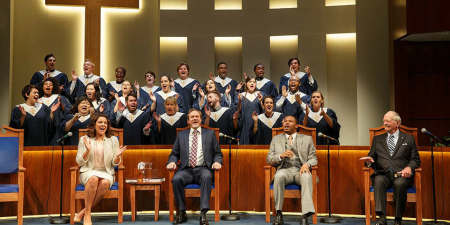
(78,85)
(263,84)
(135,122)
(323,119)
(149,87)
(99,103)
(308,83)
(217,116)
(167,123)
(249,102)
(115,86)
(222,80)
(79,118)
(98,153)
(121,96)
(35,118)
(50,71)
(186,86)
(292,102)
(160,97)
(264,122)
(210,86)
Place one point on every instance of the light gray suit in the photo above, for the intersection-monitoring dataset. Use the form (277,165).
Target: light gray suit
(287,173)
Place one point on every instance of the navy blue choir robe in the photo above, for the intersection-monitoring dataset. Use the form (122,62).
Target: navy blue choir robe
(169,125)
(161,97)
(222,84)
(250,103)
(184,88)
(114,87)
(38,78)
(133,126)
(222,119)
(59,115)
(289,106)
(264,134)
(108,109)
(144,93)
(38,127)
(140,102)
(307,85)
(267,87)
(315,120)
(78,88)
(81,123)
(224,101)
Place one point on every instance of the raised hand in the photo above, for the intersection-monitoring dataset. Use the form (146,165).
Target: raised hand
(291,70)
(207,111)
(152,96)
(101,108)
(195,87)
(22,111)
(46,75)
(97,81)
(254,116)
(201,92)
(306,111)
(284,92)
(121,150)
(298,99)
(227,91)
(260,97)
(322,113)
(308,70)
(245,76)
(121,106)
(239,86)
(211,76)
(91,110)
(136,85)
(172,83)
(76,116)
(148,125)
(74,75)
(87,143)
(56,105)
(116,96)
(156,117)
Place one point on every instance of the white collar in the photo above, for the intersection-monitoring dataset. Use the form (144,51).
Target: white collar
(48,100)
(84,118)
(294,135)
(316,115)
(165,95)
(122,99)
(291,96)
(171,120)
(218,114)
(299,75)
(395,134)
(148,90)
(97,103)
(223,82)
(86,79)
(185,82)
(116,86)
(199,129)
(32,110)
(132,116)
(52,74)
(269,122)
(251,97)
(261,83)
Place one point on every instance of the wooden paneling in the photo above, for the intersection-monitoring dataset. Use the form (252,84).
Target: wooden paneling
(427,16)
(247,179)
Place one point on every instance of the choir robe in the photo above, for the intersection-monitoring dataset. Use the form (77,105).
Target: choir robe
(224,102)
(222,119)
(184,88)
(61,77)
(59,115)
(169,125)
(78,88)
(114,87)
(315,120)
(267,87)
(108,109)
(133,126)
(81,123)
(264,134)
(38,127)
(144,93)
(140,102)
(307,85)
(222,84)
(289,106)
(161,97)
(250,103)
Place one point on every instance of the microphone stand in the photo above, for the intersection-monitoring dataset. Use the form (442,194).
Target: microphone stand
(329,218)
(61,219)
(231,216)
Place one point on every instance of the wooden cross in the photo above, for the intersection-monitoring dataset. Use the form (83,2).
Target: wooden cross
(93,21)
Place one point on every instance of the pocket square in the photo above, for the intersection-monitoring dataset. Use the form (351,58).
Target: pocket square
(404,144)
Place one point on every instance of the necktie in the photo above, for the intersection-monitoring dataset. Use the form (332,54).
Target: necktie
(193,153)
(391,145)
(291,140)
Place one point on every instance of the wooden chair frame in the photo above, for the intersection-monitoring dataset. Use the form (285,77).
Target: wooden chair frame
(196,192)
(17,196)
(269,173)
(369,197)
(110,194)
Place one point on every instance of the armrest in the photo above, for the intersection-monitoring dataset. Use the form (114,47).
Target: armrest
(121,167)
(22,169)
(74,168)
(267,167)
(418,170)
(315,168)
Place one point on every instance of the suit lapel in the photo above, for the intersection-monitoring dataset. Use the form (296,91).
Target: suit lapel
(384,140)
(203,142)
(400,140)
(299,147)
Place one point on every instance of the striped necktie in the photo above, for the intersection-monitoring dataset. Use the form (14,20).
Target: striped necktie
(193,153)
(391,145)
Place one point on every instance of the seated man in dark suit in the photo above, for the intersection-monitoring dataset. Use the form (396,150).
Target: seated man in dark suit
(198,151)
(393,157)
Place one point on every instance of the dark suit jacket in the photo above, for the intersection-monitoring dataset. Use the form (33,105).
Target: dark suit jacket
(405,154)
(210,147)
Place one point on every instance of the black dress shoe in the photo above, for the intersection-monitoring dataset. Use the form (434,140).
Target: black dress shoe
(398,222)
(181,217)
(203,219)
(278,219)
(304,221)
(381,222)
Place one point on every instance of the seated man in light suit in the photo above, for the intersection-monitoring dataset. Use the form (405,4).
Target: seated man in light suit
(293,154)
(199,152)
(394,158)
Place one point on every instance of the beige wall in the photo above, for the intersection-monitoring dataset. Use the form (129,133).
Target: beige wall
(5,60)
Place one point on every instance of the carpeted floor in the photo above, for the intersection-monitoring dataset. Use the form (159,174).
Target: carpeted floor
(193,219)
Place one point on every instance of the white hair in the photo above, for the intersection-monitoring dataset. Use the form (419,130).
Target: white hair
(395,116)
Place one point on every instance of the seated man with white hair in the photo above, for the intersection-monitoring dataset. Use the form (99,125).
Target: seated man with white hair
(394,157)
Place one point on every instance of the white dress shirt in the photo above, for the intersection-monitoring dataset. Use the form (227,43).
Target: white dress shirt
(200,160)
(395,134)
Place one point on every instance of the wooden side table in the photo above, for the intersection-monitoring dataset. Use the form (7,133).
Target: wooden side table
(154,186)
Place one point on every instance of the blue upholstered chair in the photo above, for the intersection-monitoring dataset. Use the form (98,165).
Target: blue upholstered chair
(11,162)
(115,192)
(414,193)
(292,190)
(193,190)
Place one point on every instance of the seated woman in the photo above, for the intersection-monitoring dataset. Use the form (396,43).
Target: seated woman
(323,119)
(261,130)
(35,118)
(160,97)
(98,153)
(79,118)
(99,103)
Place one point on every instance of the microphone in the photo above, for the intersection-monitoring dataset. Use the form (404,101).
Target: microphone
(226,136)
(69,134)
(320,134)
(425,131)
